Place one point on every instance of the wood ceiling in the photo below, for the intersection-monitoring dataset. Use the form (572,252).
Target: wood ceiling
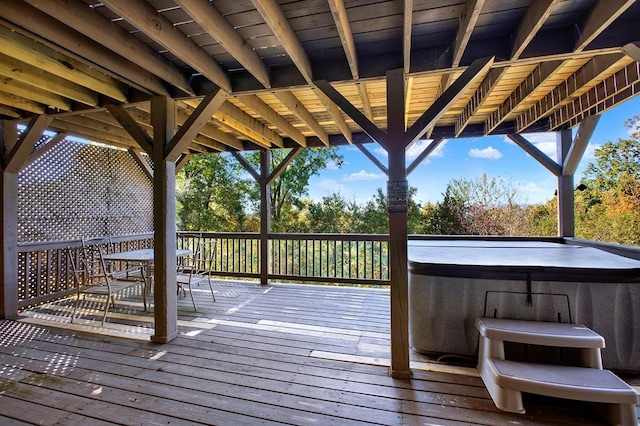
(554,63)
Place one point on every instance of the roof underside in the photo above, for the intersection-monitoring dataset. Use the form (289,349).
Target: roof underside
(555,62)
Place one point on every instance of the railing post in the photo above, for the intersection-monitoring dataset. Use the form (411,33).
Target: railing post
(9,254)
(265,214)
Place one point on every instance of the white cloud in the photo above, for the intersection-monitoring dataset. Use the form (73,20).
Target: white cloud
(381,151)
(589,154)
(490,153)
(362,175)
(415,149)
(331,165)
(545,142)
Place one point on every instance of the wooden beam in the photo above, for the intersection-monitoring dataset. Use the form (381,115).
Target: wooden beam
(141,162)
(165,310)
(21,103)
(9,112)
(203,143)
(246,165)
(372,158)
(538,155)
(76,44)
(182,161)
(397,207)
(535,16)
(51,143)
(132,127)
(562,95)
(161,30)
(7,85)
(566,193)
(251,124)
(466,24)
(601,15)
(475,71)
(94,25)
(9,228)
(478,98)
(541,73)
(407,24)
(408,90)
(606,94)
(16,158)
(340,17)
(283,164)
(91,135)
(196,121)
(265,111)
(295,106)
(354,113)
(632,50)
(213,22)
(579,145)
(25,50)
(141,114)
(279,25)
(335,114)
(424,154)
(30,75)
(95,128)
(364,98)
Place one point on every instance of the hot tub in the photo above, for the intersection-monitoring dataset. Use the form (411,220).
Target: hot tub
(453,282)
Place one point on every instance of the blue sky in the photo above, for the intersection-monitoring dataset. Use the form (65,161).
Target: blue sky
(497,156)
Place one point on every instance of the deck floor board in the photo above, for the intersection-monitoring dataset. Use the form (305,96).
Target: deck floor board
(286,354)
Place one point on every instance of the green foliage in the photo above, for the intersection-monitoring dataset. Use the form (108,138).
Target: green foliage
(211,197)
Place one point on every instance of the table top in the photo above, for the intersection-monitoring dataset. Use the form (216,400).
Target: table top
(141,255)
(464,258)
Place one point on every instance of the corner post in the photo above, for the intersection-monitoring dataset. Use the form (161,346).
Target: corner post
(9,252)
(265,214)
(163,120)
(397,205)
(566,207)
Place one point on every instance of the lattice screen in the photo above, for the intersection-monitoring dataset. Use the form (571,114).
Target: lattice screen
(77,190)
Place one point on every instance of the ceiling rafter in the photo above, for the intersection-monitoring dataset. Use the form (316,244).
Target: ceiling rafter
(78,46)
(295,106)
(240,121)
(335,113)
(563,93)
(160,29)
(525,89)
(478,97)
(211,20)
(18,102)
(60,124)
(533,19)
(34,94)
(32,76)
(29,52)
(263,110)
(83,19)
(281,28)
(407,24)
(600,18)
(340,17)
(600,98)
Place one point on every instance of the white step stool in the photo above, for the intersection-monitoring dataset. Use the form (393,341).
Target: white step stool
(506,380)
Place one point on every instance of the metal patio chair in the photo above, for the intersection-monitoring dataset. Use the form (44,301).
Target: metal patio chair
(94,277)
(193,270)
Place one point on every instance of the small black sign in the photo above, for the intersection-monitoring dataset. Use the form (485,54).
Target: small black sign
(397,196)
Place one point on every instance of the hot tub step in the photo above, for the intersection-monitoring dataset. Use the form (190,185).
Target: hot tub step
(506,380)
(540,333)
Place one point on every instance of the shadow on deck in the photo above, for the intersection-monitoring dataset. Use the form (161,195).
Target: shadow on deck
(282,354)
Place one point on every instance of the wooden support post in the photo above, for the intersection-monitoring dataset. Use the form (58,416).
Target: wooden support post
(397,205)
(9,252)
(566,208)
(163,120)
(265,214)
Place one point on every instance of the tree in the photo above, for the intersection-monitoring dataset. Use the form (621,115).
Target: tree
(607,210)
(490,206)
(446,217)
(288,190)
(210,196)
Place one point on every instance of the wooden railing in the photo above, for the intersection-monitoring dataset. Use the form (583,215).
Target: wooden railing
(44,272)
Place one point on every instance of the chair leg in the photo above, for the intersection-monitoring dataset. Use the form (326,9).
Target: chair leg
(211,287)
(193,299)
(106,309)
(75,307)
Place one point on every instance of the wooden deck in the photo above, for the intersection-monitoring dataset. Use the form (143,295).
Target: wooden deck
(285,354)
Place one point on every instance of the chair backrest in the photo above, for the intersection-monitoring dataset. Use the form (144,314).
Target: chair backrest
(94,264)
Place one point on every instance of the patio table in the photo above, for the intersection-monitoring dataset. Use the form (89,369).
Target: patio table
(143,257)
